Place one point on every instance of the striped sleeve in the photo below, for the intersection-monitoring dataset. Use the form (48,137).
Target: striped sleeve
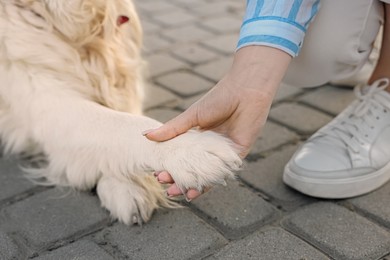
(277,23)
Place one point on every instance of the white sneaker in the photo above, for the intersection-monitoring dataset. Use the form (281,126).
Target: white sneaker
(350,156)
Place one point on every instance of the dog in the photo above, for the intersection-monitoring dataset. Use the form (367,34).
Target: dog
(71,86)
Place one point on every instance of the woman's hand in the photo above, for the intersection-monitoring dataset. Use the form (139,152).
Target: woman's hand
(236,107)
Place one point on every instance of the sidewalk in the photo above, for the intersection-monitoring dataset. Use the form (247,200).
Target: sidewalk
(189,46)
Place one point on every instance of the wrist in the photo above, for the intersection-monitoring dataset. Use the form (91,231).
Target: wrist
(259,67)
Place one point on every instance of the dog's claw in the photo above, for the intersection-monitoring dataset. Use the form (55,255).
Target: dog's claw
(136,219)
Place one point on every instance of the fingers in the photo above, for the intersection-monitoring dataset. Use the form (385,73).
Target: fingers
(164,177)
(178,125)
(191,194)
(174,191)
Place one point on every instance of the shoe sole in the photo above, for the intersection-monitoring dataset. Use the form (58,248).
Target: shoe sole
(337,189)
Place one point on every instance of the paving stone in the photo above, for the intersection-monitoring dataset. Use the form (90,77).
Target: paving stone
(187,102)
(266,175)
(194,54)
(163,63)
(184,83)
(8,249)
(178,18)
(330,99)
(340,233)
(188,4)
(225,44)
(162,114)
(156,6)
(301,118)
(270,244)
(234,209)
(149,27)
(157,96)
(223,24)
(222,8)
(187,34)
(375,205)
(155,43)
(53,215)
(12,179)
(215,70)
(85,250)
(273,136)
(285,91)
(173,234)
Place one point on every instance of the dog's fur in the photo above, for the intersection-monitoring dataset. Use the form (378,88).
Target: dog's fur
(71,84)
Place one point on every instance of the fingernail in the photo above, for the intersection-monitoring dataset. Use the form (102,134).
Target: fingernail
(147,131)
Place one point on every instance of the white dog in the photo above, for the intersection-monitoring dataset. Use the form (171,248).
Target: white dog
(71,84)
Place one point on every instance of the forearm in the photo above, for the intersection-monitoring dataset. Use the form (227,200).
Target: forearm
(259,67)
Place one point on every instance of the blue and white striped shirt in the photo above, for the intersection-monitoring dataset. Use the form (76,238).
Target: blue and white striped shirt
(277,23)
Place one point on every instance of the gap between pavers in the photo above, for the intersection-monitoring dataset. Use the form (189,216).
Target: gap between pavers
(171,234)
(234,210)
(339,232)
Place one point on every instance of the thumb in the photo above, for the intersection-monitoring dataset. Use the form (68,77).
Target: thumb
(174,127)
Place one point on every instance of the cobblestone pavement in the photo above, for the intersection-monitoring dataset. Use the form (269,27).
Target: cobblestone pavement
(189,45)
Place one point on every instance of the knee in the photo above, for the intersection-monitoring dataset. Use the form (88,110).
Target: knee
(321,62)
(335,46)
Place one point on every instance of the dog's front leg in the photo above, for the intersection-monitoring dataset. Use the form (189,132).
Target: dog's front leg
(87,142)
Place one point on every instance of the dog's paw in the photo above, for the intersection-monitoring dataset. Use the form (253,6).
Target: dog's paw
(131,201)
(199,159)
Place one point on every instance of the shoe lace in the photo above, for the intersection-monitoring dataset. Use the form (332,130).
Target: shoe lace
(352,128)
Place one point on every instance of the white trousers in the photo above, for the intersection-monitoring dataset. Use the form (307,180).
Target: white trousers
(338,42)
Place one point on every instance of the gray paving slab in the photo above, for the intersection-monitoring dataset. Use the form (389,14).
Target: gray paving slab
(220,8)
(53,215)
(162,114)
(155,43)
(174,234)
(235,210)
(375,205)
(273,243)
(224,24)
(8,248)
(163,63)
(149,27)
(156,7)
(188,4)
(286,91)
(184,83)
(300,118)
(225,43)
(187,102)
(240,221)
(177,18)
(266,175)
(13,180)
(273,136)
(157,96)
(194,53)
(187,34)
(340,233)
(330,98)
(83,250)
(216,69)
